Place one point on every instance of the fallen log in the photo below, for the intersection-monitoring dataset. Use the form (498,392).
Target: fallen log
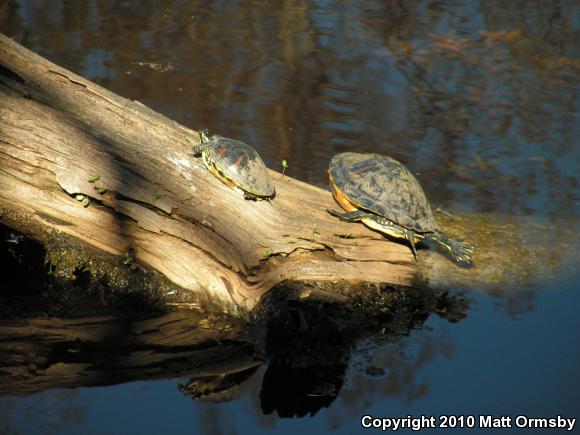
(156,204)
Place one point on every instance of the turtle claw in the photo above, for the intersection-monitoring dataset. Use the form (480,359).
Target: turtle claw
(345,217)
(351,216)
(336,214)
(410,236)
(460,251)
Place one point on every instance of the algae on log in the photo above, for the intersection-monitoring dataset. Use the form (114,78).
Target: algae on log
(58,132)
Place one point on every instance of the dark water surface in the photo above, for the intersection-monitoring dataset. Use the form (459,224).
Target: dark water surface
(479,99)
(489,364)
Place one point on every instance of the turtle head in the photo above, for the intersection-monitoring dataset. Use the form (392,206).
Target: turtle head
(204,136)
(203,139)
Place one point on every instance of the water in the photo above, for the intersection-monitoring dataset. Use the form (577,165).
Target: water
(480,100)
(489,364)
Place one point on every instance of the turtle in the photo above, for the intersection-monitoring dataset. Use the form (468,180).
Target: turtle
(237,164)
(383,194)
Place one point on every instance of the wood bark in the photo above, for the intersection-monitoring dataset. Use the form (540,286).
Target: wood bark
(57,130)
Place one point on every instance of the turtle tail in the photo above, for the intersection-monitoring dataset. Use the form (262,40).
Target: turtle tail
(459,250)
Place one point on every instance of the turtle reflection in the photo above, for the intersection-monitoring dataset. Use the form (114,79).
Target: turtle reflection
(219,387)
(309,346)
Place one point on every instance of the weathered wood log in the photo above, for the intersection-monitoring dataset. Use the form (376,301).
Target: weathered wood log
(57,130)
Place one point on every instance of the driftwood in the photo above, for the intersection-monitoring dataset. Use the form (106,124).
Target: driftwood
(57,130)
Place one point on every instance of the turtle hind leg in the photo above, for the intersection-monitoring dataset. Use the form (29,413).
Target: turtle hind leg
(459,250)
(352,216)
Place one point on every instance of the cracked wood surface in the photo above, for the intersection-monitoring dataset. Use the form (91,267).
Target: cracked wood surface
(57,130)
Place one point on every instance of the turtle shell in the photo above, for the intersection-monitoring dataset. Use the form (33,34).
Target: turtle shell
(383,186)
(240,163)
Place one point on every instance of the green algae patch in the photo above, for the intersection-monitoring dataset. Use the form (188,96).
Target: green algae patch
(119,283)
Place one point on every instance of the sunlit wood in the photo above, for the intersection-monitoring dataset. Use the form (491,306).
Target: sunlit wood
(58,130)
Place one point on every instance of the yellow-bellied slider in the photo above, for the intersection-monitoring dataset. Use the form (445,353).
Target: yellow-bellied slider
(383,194)
(237,164)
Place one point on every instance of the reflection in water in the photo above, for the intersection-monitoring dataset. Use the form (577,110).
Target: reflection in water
(313,350)
(61,409)
(219,387)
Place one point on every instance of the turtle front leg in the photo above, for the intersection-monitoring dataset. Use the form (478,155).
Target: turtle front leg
(352,216)
(250,197)
(198,150)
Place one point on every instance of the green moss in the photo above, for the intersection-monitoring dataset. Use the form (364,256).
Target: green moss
(123,283)
(131,286)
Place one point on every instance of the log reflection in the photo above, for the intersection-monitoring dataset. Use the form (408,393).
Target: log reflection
(307,346)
